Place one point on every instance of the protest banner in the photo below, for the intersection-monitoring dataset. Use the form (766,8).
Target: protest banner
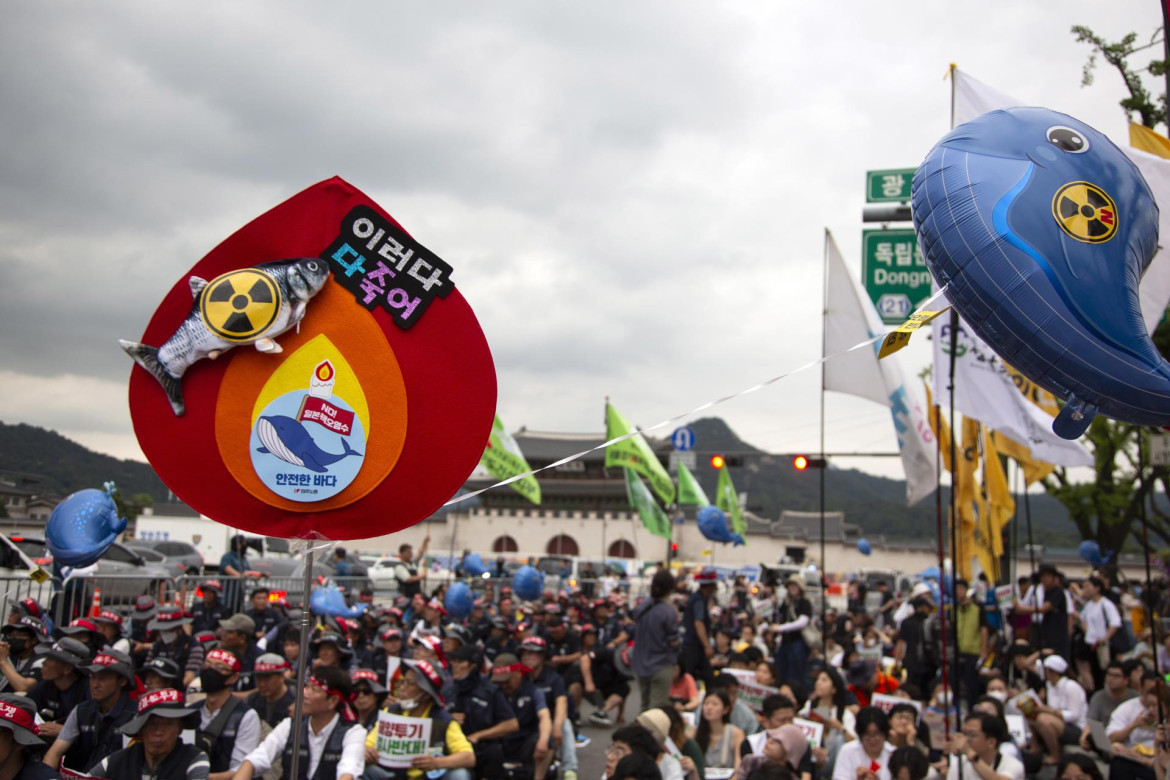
(751,692)
(813,732)
(885,703)
(400,740)
(1004,596)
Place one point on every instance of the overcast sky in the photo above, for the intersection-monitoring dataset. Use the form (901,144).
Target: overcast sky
(632,195)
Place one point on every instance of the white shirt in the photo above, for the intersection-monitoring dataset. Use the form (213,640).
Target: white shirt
(852,755)
(1126,713)
(1008,767)
(756,741)
(247,733)
(904,610)
(353,751)
(670,768)
(1069,697)
(1099,616)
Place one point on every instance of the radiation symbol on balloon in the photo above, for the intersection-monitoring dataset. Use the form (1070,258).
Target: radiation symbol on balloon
(1085,212)
(240,305)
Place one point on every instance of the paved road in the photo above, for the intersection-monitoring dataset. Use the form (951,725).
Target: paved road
(592,758)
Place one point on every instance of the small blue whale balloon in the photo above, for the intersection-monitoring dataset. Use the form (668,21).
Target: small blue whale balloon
(864,547)
(712,522)
(1090,552)
(1041,228)
(528,583)
(473,565)
(458,600)
(329,601)
(83,526)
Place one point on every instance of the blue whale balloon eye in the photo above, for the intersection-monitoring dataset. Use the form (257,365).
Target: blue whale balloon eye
(1067,140)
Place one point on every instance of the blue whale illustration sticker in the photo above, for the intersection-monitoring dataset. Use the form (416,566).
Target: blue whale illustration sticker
(308,444)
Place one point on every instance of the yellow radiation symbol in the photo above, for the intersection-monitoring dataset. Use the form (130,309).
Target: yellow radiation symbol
(240,305)
(1085,212)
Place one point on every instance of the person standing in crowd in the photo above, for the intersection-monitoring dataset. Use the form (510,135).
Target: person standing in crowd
(886,604)
(696,644)
(1100,622)
(656,652)
(972,630)
(795,615)
(406,573)
(158,751)
(234,564)
(62,686)
(1052,605)
(175,643)
(332,744)
(916,649)
(206,614)
(228,729)
(91,731)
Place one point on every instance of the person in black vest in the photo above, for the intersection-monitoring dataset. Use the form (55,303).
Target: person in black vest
(263,614)
(62,686)
(91,731)
(332,650)
(532,745)
(228,729)
(158,753)
(207,614)
(20,744)
(482,710)
(418,697)
(272,698)
(18,655)
(332,742)
(237,635)
(140,637)
(406,574)
(159,673)
(174,643)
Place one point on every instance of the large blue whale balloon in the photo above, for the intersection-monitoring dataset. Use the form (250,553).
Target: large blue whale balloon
(712,522)
(328,600)
(473,565)
(83,526)
(458,600)
(1042,229)
(528,583)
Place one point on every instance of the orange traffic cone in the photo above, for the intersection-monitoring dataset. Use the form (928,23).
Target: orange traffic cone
(96,608)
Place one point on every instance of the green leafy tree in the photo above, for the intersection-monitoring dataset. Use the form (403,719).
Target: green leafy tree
(1119,55)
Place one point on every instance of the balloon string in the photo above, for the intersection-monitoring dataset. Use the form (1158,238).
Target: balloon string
(700,408)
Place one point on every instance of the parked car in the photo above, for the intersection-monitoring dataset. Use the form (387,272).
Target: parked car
(16,566)
(178,555)
(381,574)
(122,573)
(151,555)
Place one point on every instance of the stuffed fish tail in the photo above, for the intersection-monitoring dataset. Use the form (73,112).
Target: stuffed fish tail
(147,357)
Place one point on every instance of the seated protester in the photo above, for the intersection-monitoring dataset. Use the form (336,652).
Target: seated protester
(603,684)
(684,693)
(829,703)
(870,751)
(390,647)
(1131,733)
(482,710)
(85,631)
(1077,766)
(628,741)
(1115,692)
(719,739)
(904,731)
(499,639)
(273,697)
(20,747)
(162,716)
(977,750)
(159,673)
(109,624)
(636,766)
(1024,667)
(417,696)
(657,722)
(206,615)
(236,636)
(532,744)
(995,708)
(228,729)
(865,679)
(174,643)
(564,655)
(291,648)
(533,652)
(62,686)
(776,710)
(91,730)
(332,649)
(785,746)
(18,655)
(454,637)
(430,648)
(766,673)
(1059,722)
(368,695)
(908,763)
(690,755)
(263,615)
(332,744)
(742,716)
(140,641)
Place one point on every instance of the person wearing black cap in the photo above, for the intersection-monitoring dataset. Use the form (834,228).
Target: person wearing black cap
(161,718)
(500,639)
(18,654)
(175,643)
(228,729)
(417,696)
(26,607)
(62,686)
(91,731)
(207,614)
(85,631)
(332,742)
(1053,607)
(159,673)
(532,745)
(20,743)
(482,710)
(272,698)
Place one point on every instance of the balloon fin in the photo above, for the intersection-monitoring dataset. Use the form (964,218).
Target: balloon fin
(1074,419)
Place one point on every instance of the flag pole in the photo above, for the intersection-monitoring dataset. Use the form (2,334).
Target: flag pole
(605,437)
(824,466)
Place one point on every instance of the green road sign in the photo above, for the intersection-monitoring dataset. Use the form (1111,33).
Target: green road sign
(894,272)
(888,186)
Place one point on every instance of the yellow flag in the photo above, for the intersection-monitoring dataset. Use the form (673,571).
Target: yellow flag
(989,539)
(940,429)
(1034,470)
(1142,137)
(971,503)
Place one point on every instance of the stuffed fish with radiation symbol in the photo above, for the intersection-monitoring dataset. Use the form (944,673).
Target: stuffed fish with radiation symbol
(1041,229)
(247,306)
(83,526)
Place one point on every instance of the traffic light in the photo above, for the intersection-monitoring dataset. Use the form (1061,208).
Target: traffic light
(726,461)
(717,462)
(673,548)
(803,462)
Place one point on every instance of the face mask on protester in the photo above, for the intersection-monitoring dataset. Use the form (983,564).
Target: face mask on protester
(169,636)
(212,681)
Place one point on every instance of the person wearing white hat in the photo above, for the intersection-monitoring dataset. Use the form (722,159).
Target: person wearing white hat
(1059,722)
(906,609)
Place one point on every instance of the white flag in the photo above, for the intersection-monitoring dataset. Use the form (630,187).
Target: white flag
(974,98)
(850,318)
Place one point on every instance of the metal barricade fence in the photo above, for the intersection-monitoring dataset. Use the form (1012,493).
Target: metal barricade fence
(81,596)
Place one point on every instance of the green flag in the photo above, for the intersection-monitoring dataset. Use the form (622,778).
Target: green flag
(653,516)
(689,491)
(503,460)
(728,501)
(636,454)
